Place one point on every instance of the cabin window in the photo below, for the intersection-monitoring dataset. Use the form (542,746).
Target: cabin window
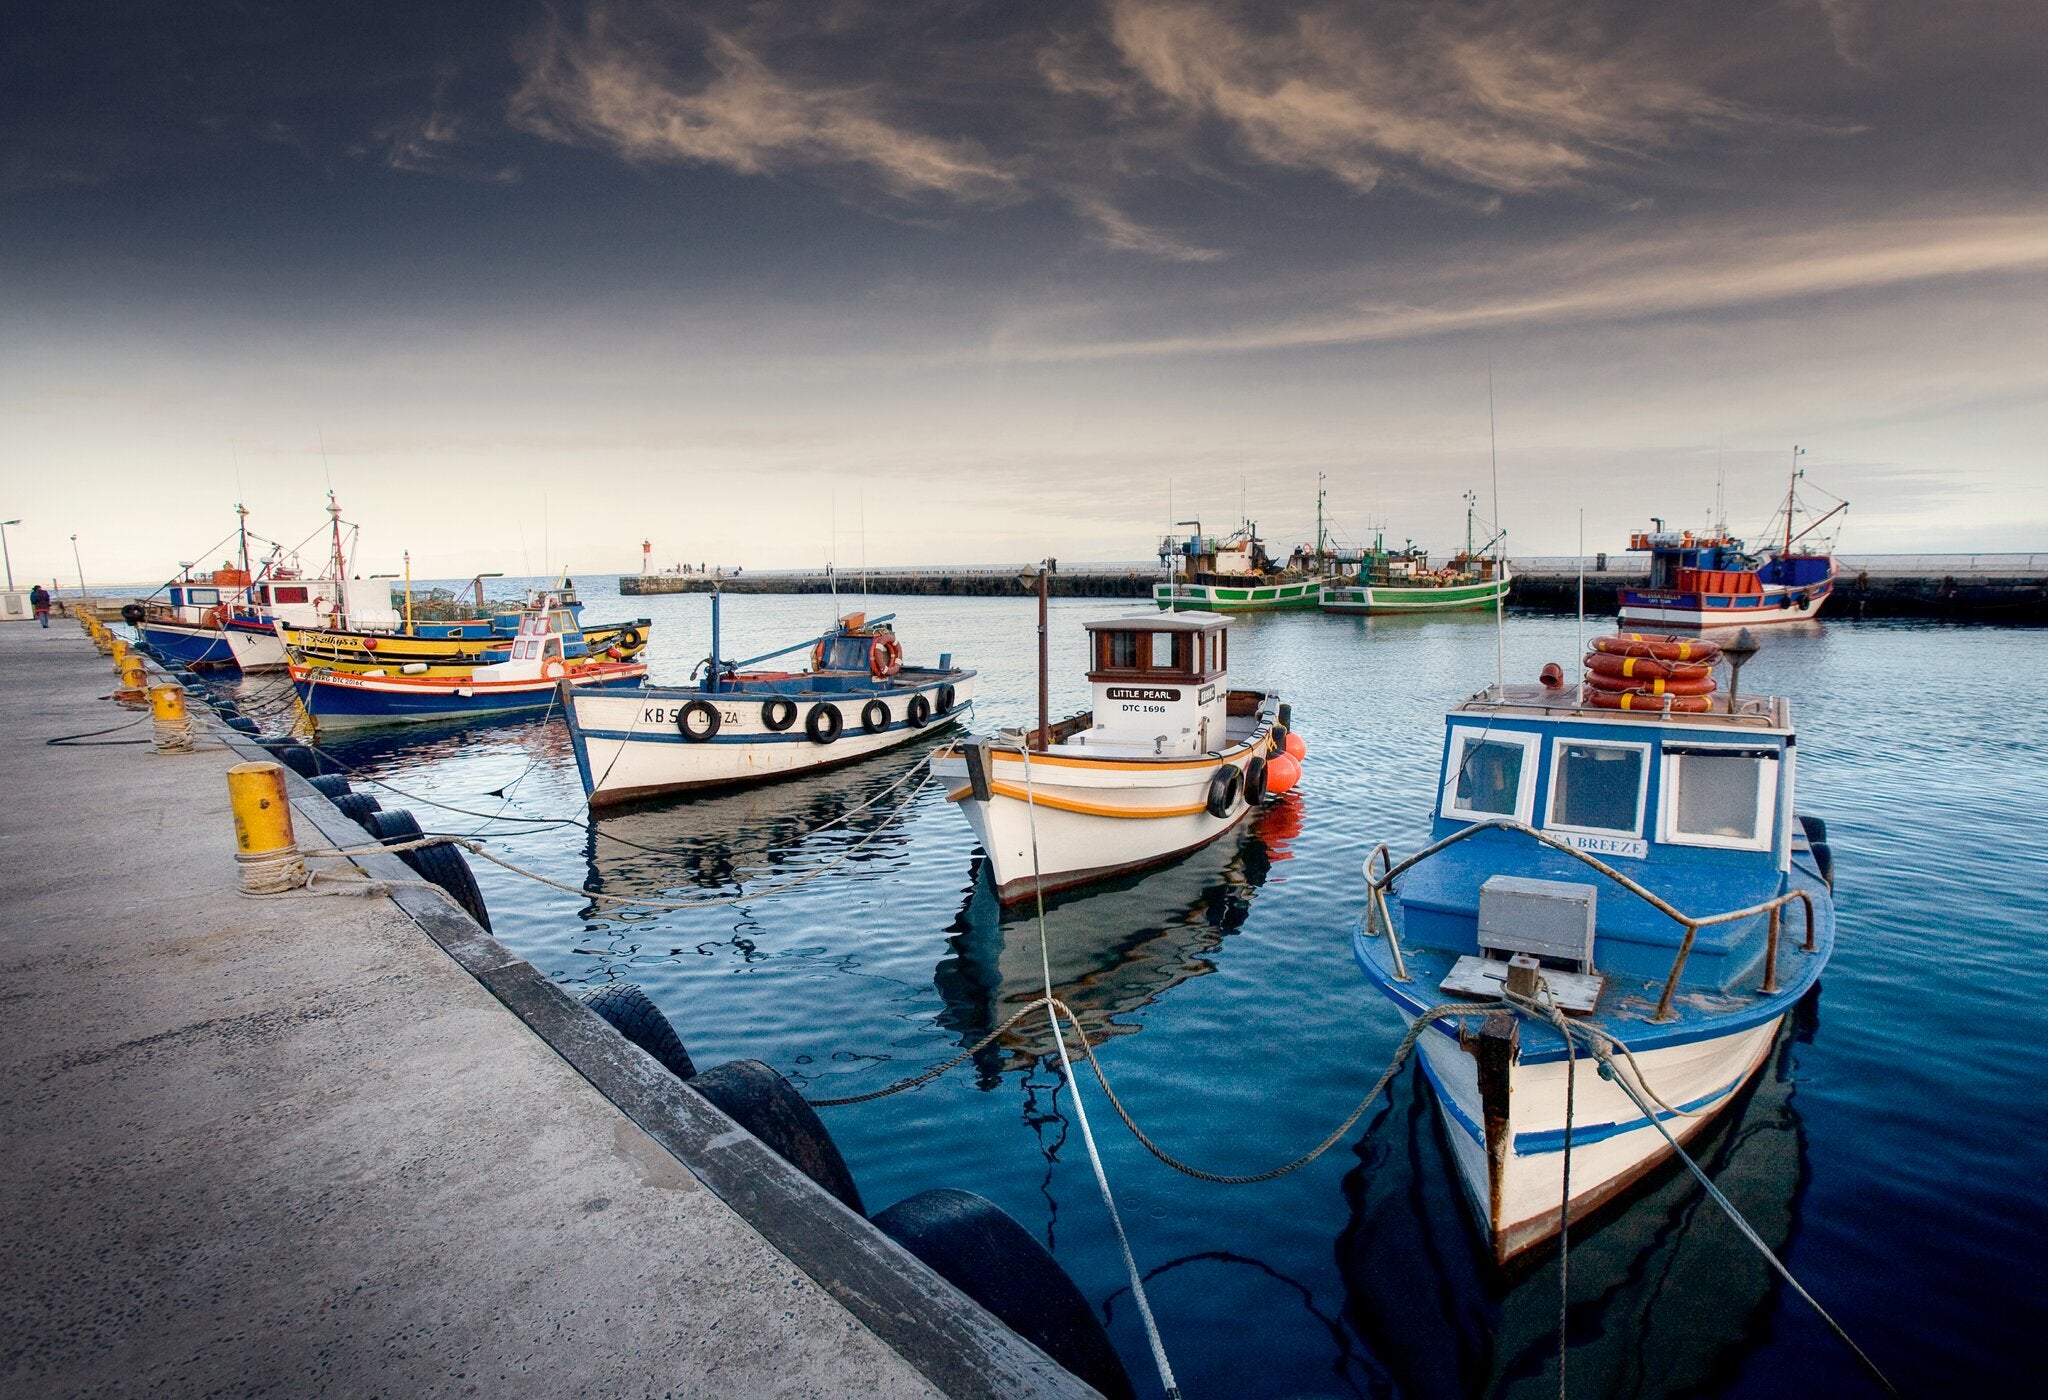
(1490,774)
(1123,651)
(202,597)
(1719,797)
(1598,787)
(1166,651)
(291,594)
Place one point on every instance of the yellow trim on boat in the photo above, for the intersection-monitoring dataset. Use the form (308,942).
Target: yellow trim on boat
(1086,809)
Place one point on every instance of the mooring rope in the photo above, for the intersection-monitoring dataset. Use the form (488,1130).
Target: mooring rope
(1159,1360)
(1597,1042)
(477,848)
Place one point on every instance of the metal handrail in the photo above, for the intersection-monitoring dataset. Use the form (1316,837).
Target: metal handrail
(1376,908)
(1378,885)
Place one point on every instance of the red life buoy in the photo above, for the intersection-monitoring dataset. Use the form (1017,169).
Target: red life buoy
(553,669)
(1647,668)
(1651,704)
(1662,646)
(885,656)
(1649,685)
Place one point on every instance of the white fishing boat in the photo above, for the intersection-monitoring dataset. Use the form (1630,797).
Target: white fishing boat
(740,725)
(1169,758)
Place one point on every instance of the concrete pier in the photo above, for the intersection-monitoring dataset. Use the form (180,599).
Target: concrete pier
(351,1145)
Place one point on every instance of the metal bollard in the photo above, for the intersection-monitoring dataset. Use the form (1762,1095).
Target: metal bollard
(167,710)
(267,859)
(133,681)
(119,651)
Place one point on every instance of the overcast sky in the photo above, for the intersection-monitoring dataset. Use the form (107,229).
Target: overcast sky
(985,282)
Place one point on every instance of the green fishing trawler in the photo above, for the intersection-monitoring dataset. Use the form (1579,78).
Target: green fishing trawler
(1401,581)
(1234,574)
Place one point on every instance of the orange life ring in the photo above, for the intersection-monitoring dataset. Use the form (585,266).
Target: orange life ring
(1647,668)
(553,669)
(1697,685)
(1660,645)
(1649,704)
(818,657)
(885,656)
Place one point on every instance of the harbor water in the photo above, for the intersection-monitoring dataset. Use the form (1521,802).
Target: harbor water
(1892,1151)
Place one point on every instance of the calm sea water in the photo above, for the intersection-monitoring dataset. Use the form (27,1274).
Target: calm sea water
(1894,1151)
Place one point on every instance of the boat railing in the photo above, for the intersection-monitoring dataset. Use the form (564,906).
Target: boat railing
(1378,885)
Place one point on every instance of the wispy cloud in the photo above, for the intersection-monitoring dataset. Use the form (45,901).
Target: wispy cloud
(1507,98)
(611,84)
(1604,279)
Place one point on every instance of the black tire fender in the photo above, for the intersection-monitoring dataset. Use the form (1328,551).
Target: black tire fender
(943,703)
(357,807)
(297,757)
(768,1106)
(778,713)
(972,1244)
(1824,861)
(1255,780)
(1815,828)
(633,1014)
(439,865)
(131,613)
(918,712)
(824,723)
(632,640)
(330,785)
(874,716)
(707,715)
(1224,785)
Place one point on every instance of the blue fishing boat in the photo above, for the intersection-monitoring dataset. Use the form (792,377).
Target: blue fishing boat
(738,725)
(1633,866)
(530,681)
(186,623)
(1712,579)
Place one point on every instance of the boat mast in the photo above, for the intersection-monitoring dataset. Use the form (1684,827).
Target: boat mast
(338,562)
(1044,665)
(1320,493)
(1792,494)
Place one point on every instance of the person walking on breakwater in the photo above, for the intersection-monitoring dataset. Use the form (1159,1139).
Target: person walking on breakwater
(39,599)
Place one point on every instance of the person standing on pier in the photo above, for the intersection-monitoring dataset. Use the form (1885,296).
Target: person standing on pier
(39,599)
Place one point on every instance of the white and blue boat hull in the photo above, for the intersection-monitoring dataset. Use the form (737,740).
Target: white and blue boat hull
(630,747)
(187,645)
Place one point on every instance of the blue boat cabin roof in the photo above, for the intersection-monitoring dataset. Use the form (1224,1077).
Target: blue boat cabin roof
(1696,808)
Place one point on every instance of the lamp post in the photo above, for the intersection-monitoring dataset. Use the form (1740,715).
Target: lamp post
(81,567)
(5,552)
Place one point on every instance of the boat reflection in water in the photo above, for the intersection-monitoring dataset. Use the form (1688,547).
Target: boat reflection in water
(1666,1296)
(1113,947)
(746,837)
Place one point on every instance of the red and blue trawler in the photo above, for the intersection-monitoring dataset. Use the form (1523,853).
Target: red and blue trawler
(1712,579)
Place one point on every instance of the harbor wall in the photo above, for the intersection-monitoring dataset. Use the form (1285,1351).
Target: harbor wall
(2008,589)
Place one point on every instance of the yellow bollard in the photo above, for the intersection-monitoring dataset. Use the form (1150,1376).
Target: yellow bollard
(119,651)
(133,679)
(167,709)
(267,855)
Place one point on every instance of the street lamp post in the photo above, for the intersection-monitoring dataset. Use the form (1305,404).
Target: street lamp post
(81,567)
(5,552)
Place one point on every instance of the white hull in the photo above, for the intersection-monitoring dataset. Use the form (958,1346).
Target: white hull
(254,653)
(1613,1144)
(629,746)
(1089,817)
(1638,614)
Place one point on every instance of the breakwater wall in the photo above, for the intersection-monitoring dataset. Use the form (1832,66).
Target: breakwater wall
(2010,589)
(1082,581)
